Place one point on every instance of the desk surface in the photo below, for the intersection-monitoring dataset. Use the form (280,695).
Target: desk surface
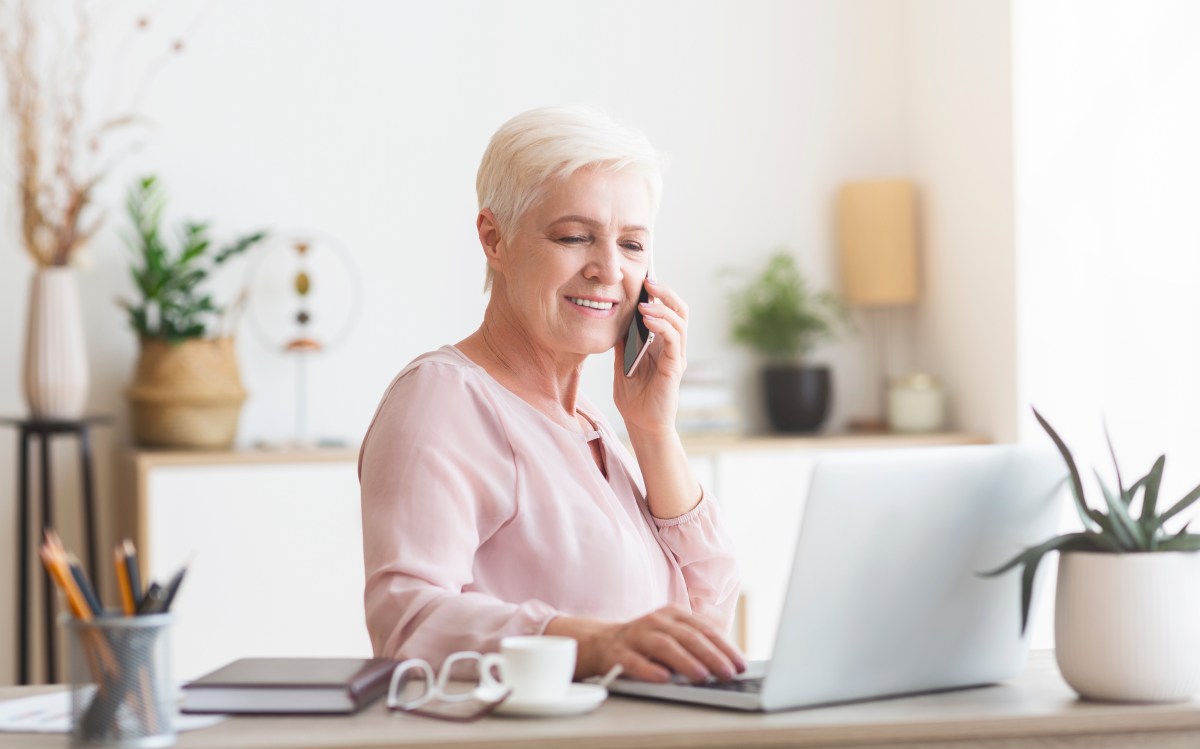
(694,444)
(1037,709)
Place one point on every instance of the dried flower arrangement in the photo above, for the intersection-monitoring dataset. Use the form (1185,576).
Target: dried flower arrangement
(61,155)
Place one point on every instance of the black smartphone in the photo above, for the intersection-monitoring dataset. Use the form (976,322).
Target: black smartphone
(638,338)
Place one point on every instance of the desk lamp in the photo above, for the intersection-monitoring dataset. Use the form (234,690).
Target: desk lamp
(877,243)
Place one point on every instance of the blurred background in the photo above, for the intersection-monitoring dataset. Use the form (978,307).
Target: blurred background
(1052,149)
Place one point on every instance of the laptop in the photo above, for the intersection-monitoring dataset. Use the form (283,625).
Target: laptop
(884,599)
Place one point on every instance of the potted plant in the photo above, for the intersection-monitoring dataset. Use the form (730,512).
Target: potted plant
(186,390)
(1126,611)
(781,318)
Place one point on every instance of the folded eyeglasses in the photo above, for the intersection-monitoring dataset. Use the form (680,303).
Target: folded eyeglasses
(416,689)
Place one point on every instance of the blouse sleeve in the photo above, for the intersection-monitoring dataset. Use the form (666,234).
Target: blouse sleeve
(438,479)
(705,554)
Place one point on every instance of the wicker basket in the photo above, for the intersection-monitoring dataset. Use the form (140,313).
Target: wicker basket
(187,394)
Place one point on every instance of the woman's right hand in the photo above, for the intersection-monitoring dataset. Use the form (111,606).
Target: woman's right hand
(651,648)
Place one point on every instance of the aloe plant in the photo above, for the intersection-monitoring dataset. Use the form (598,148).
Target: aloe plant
(1118,531)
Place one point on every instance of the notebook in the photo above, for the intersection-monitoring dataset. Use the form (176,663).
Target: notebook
(289,685)
(885,597)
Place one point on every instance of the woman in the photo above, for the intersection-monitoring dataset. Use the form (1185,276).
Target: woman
(496,500)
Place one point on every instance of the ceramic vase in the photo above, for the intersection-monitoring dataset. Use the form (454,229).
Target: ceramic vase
(1126,625)
(56,366)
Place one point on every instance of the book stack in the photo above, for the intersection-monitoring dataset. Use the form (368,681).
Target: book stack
(706,402)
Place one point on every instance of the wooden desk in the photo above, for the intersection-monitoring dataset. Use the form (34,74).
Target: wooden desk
(1035,710)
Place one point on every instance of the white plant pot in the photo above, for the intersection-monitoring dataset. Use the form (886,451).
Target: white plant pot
(56,366)
(1127,626)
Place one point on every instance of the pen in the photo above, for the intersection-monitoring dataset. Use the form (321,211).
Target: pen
(153,600)
(173,588)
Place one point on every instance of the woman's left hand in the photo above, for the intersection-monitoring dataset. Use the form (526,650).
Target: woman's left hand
(649,399)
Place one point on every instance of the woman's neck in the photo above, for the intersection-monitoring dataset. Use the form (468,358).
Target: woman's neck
(547,380)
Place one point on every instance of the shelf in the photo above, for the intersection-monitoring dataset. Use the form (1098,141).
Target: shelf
(712,445)
(145,458)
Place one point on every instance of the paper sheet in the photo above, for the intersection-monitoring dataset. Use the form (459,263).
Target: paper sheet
(51,713)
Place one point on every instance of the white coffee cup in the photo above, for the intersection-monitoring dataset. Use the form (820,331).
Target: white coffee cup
(537,668)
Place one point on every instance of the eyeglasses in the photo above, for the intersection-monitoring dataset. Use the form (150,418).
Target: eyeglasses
(437,696)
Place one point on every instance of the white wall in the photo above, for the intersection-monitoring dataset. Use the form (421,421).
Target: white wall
(958,107)
(1108,249)
(367,121)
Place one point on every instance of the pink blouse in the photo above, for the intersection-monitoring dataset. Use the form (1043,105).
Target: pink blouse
(483,518)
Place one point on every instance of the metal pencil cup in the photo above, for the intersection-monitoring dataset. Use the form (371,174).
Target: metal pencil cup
(120,673)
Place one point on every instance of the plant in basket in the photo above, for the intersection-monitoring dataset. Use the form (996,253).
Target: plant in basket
(186,391)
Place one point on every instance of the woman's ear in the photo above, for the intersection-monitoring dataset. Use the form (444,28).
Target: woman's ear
(489,238)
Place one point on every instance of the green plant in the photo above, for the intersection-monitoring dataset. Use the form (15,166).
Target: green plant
(1119,531)
(779,316)
(172,306)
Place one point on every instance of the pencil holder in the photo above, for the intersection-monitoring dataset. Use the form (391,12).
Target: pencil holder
(120,673)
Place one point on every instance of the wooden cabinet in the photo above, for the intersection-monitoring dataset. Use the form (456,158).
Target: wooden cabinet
(761,484)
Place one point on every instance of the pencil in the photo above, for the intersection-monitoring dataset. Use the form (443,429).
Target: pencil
(120,562)
(131,566)
(85,587)
(59,572)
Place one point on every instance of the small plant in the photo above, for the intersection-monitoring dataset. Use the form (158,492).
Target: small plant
(780,317)
(172,306)
(1118,531)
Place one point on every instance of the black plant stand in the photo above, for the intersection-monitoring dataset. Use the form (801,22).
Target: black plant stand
(32,430)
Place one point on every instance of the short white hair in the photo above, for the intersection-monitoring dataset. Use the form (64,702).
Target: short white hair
(553,143)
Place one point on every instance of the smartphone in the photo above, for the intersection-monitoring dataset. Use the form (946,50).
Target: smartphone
(638,338)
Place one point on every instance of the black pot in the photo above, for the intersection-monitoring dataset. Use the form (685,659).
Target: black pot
(798,397)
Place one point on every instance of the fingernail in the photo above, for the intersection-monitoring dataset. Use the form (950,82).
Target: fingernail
(652,280)
(645,305)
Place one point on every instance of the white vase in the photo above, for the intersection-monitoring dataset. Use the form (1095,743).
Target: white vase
(56,366)
(1127,626)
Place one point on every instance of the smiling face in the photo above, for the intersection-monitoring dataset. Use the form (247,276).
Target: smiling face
(570,273)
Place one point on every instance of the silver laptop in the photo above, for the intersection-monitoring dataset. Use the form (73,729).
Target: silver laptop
(884,598)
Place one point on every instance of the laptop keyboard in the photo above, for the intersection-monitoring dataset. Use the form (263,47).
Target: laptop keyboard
(745,686)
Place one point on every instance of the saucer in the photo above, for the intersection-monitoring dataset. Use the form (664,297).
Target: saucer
(579,699)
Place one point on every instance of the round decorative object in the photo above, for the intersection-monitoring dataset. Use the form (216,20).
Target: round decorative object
(1125,625)
(798,397)
(304,293)
(56,366)
(304,299)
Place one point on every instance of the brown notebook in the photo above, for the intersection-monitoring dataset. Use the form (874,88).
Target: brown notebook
(289,685)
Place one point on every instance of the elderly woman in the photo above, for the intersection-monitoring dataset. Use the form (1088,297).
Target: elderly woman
(496,500)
